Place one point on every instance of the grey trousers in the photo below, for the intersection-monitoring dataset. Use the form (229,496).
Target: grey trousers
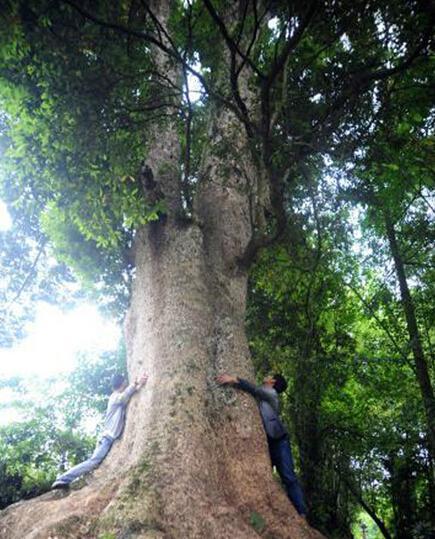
(102,448)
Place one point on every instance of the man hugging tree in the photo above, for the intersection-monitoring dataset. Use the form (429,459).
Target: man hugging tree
(277,436)
(113,427)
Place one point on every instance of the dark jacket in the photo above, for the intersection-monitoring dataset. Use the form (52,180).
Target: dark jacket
(268,403)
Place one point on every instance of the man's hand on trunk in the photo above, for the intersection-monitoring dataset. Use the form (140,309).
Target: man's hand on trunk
(225,379)
(141,380)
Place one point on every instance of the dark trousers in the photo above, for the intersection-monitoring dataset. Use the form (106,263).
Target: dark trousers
(282,459)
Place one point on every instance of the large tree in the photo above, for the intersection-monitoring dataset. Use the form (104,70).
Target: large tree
(111,160)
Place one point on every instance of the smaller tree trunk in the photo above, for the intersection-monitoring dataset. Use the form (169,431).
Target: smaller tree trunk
(368,509)
(421,366)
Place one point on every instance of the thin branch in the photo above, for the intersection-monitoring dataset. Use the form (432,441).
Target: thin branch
(165,78)
(427,202)
(420,265)
(173,53)
(403,213)
(261,240)
(30,273)
(266,85)
(232,45)
(120,28)
(360,82)
(257,24)
(238,98)
(188,131)
(290,45)
(368,509)
(187,153)
(234,71)
(151,107)
(385,73)
(159,26)
(318,253)
(378,320)
(242,24)
(280,105)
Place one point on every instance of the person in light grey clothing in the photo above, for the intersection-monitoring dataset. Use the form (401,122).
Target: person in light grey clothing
(113,426)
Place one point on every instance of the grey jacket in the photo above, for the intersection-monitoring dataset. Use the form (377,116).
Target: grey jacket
(115,414)
(268,403)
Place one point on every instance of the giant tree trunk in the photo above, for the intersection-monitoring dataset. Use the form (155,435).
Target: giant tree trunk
(193,460)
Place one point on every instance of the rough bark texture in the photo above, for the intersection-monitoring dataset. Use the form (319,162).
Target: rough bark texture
(193,459)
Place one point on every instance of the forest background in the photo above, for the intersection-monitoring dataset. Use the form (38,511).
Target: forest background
(342,305)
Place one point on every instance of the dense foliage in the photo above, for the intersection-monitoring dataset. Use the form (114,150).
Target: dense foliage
(325,310)
(342,303)
(58,420)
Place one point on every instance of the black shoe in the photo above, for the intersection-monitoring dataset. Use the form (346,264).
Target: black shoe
(60,485)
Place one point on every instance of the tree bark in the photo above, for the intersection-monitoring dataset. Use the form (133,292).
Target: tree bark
(193,459)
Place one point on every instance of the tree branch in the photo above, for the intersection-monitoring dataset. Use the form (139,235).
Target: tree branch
(188,131)
(260,240)
(146,36)
(234,70)
(232,45)
(359,82)
(368,509)
(290,45)
(378,320)
(120,28)
(30,273)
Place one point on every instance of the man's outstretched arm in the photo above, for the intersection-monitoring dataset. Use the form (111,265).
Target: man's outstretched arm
(126,395)
(256,391)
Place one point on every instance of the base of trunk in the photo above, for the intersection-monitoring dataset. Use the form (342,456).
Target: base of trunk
(129,507)
(192,461)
